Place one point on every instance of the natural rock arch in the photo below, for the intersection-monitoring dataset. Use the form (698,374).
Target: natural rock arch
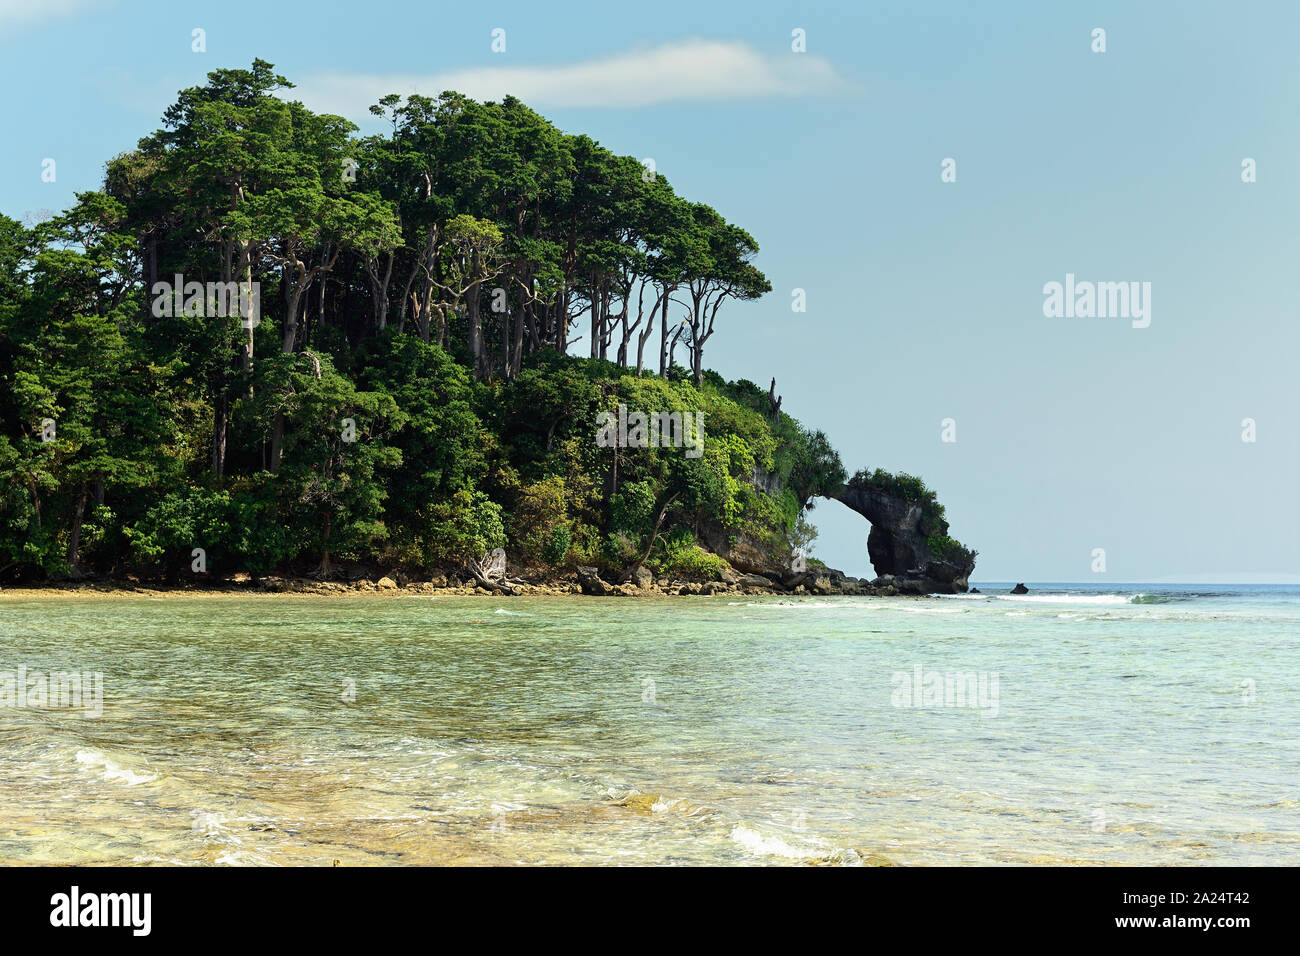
(898,547)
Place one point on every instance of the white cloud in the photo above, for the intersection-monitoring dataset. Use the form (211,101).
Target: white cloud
(692,70)
(27,11)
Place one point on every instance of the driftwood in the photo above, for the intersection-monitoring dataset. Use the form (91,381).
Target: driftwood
(503,587)
(490,574)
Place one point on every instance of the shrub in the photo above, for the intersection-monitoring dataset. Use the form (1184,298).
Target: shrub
(679,555)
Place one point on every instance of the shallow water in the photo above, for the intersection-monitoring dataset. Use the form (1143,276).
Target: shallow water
(687,730)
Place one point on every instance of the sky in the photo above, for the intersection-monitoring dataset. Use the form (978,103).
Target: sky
(924,297)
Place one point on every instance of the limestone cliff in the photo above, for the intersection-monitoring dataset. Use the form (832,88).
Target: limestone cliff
(908,545)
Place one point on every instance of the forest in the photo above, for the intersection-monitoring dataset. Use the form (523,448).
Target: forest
(429,322)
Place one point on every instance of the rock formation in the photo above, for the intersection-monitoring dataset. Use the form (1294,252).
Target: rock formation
(906,520)
(899,549)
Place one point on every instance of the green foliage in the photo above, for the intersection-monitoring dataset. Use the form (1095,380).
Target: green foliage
(949,549)
(909,488)
(815,467)
(632,509)
(934,524)
(183,520)
(463,529)
(406,398)
(539,528)
(679,556)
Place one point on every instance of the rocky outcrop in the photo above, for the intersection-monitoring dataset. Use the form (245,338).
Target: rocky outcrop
(745,553)
(897,546)
(590,582)
(1020,589)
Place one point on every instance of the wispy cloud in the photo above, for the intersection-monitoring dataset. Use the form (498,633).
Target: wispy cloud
(690,70)
(15,12)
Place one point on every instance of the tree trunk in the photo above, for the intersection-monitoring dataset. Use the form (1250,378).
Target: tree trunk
(379,290)
(604,325)
(277,440)
(507,318)
(517,359)
(654,536)
(74,537)
(291,320)
(290,337)
(663,339)
(325,550)
(644,335)
(476,331)
(246,359)
(219,423)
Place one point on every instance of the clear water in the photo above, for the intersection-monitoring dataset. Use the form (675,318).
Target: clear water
(1139,725)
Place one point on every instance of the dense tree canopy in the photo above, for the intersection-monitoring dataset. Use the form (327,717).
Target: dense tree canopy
(368,355)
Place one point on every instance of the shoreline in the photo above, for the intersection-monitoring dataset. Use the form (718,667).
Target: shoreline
(818,585)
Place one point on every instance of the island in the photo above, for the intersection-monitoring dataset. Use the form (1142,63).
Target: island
(268,350)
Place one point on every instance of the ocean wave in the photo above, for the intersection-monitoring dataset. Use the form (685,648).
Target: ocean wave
(1107,599)
(760,845)
(806,605)
(112,771)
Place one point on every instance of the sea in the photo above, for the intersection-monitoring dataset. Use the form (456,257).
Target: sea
(1082,725)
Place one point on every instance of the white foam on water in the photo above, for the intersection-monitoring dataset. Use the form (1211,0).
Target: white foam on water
(1107,599)
(760,845)
(112,772)
(814,605)
(241,858)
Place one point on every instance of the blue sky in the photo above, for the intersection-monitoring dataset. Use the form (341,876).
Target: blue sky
(924,298)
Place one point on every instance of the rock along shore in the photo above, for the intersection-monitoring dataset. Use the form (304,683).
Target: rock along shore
(586,581)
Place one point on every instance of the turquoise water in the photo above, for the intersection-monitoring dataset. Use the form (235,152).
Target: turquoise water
(1137,725)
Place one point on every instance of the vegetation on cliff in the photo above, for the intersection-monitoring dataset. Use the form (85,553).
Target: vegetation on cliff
(933,524)
(403,394)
